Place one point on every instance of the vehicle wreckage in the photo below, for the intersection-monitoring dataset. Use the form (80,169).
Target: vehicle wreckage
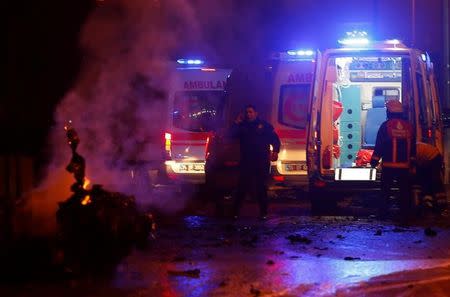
(97,228)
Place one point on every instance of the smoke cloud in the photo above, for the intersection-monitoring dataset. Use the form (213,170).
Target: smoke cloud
(118,104)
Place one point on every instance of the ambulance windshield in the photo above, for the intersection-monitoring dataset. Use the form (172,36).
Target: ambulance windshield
(197,111)
(293,105)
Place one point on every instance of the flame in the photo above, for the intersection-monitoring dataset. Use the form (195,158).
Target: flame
(86,200)
(86,183)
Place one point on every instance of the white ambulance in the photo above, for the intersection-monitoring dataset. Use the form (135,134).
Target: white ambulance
(195,99)
(358,79)
(293,75)
(281,91)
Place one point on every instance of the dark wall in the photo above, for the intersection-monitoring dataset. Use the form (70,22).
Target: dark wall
(42,61)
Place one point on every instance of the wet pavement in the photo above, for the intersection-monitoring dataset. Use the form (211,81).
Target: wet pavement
(293,253)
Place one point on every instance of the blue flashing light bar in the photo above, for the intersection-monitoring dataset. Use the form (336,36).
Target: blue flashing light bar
(424,57)
(190,62)
(302,53)
(355,38)
(393,41)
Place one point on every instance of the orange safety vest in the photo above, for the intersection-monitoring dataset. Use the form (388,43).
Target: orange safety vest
(425,152)
(394,144)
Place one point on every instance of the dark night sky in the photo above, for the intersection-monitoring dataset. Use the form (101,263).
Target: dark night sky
(43,55)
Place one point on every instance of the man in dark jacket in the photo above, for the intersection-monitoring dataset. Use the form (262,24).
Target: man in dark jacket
(256,137)
(395,147)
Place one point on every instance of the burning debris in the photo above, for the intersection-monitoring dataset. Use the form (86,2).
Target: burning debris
(97,225)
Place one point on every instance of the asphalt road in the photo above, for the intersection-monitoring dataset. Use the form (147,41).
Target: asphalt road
(293,253)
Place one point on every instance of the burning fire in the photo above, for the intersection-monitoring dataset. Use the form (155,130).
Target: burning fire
(87,199)
(86,183)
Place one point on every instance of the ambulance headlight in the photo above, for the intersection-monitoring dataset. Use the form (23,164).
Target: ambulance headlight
(190,62)
(355,38)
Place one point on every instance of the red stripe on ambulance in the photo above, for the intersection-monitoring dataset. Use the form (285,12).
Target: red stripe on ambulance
(284,133)
(190,136)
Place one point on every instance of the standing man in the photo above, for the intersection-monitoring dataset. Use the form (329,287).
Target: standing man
(255,137)
(429,174)
(395,146)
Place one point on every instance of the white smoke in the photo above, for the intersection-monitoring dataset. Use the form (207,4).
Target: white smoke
(118,103)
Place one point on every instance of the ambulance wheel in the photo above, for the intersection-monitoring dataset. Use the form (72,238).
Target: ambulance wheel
(322,202)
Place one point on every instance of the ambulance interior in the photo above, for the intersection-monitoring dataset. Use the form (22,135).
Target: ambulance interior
(357,89)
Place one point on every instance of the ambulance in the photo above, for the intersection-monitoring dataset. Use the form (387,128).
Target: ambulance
(293,75)
(281,91)
(352,85)
(194,103)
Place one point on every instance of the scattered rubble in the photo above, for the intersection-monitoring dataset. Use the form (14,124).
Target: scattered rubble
(195,273)
(430,232)
(223,283)
(179,259)
(297,238)
(320,249)
(352,258)
(255,292)
(250,242)
(398,230)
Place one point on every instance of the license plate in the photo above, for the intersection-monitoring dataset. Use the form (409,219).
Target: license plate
(355,174)
(192,167)
(295,167)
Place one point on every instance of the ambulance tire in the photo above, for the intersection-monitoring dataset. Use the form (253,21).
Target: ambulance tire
(322,202)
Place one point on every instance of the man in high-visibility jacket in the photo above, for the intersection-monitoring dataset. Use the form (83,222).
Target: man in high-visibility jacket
(395,148)
(430,175)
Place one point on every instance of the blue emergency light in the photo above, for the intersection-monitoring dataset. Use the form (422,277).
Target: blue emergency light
(190,62)
(355,38)
(393,41)
(302,53)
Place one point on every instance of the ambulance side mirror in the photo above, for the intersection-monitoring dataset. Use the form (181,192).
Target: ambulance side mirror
(445,116)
